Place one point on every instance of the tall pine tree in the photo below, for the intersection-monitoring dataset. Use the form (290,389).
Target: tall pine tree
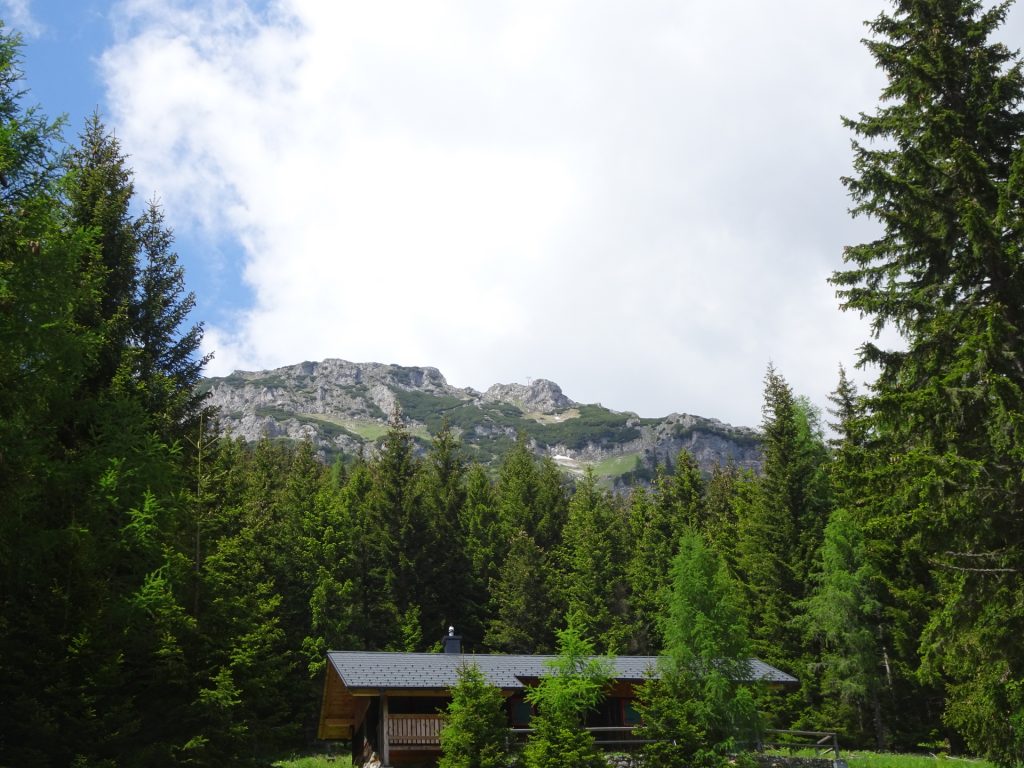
(939,166)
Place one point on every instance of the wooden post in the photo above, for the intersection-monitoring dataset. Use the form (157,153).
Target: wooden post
(385,747)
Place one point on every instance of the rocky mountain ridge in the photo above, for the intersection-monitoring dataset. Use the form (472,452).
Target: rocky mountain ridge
(345,407)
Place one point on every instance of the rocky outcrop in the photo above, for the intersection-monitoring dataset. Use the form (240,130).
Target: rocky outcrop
(341,406)
(539,396)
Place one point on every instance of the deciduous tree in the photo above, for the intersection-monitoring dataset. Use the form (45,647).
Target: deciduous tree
(475,732)
(575,685)
(699,708)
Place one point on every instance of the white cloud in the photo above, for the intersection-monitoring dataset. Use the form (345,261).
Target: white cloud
(18,14)
(639,201)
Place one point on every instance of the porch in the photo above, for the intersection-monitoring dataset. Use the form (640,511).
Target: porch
(414,732)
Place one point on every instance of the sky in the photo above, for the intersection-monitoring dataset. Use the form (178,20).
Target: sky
(640,201)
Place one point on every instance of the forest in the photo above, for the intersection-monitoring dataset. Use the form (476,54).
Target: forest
(167,595)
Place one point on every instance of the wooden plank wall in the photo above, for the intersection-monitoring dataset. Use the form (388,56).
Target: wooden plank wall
(340,712)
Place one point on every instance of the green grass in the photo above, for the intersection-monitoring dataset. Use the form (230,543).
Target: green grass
(853,759)
(859,759)
(422,433)
(368,430)
(893,760)
(553,418)
(316,761)
(615,466)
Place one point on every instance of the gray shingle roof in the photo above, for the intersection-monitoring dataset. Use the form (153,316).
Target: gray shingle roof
(363,669)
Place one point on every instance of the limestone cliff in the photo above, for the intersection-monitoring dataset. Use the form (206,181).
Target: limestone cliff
(345,407)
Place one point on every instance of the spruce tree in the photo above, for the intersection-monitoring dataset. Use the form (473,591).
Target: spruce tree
(94,576)
(371,565)
(771,553)
(531,496)
(44,354)
(99,188)
(653,540)
(844,616)
(399,526)
(939,166)
(251,678)
(728,498)
(443,565)
(522,604)
(681,493)
(593,564)
(332,599)
(780,536)
(517,491)
(481,532)
(165,356)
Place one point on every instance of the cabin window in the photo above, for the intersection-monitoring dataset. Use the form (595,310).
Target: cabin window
(630,716)
(606,714)
(520,713)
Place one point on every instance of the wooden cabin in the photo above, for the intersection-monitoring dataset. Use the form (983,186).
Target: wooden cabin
(390,704)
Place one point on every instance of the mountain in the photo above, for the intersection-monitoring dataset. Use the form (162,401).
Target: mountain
(345,407)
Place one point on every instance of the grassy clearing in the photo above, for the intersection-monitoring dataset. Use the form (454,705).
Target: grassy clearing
(616,465)
(553,418)
(316,761)
(371,431)
(857,759)
(368,430)
(892,760)
(853,759)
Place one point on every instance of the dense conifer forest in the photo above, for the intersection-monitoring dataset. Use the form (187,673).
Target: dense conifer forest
(167,596)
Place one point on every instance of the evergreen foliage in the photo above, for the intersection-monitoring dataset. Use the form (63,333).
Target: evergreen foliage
(530,496)
(163,352)
(444,567)
(728,498)
(475,732)
(779,536)
(574,687)
(397,525)
(522,601)
(593,561)
(654,540)
(656,522)
(939,166)
(168,597)
(481,534)
(699,709)
(843,616)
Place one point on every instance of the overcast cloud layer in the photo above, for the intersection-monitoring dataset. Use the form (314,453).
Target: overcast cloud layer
(640,201)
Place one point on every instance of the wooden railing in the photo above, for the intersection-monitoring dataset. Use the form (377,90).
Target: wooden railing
(413,731)
(424,731)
